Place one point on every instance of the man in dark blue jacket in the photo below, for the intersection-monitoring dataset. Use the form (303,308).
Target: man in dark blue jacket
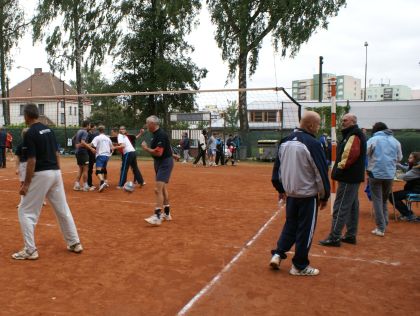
(303,189)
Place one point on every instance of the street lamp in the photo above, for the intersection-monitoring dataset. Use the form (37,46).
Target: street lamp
(21,67)
(366,45)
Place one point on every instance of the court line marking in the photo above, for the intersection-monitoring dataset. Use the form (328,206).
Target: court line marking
(41,224)
(226,268)
(215,279)
(100,199)
(17,178)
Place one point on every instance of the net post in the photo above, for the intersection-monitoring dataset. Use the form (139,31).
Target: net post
(332,83)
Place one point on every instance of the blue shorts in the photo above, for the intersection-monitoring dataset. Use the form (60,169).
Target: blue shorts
(163,169)
(101,161)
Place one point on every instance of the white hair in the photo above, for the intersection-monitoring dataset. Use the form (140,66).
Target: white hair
(153,119)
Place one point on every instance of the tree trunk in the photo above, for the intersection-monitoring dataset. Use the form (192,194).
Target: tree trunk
(78,62)
(3,67)
(153,55)
(242,107)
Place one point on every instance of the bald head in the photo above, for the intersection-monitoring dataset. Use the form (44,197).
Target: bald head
(310,122)
(349,119)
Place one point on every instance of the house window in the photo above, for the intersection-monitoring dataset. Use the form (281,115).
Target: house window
(62,104)
(69,110)
(62,118)
(264,116)
(271,116)
(74,111)
(21,106)
(256,116)
(41,109)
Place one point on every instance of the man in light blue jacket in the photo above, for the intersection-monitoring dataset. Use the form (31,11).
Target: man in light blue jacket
(383,152)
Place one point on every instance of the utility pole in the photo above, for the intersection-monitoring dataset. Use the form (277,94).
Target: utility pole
(65,114)
(320,79)
(366,46)
(7,114)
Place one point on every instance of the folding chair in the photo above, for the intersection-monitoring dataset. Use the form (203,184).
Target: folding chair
(411,198)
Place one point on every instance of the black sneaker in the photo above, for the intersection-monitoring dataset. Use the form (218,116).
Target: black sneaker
(329,242)
(349,239)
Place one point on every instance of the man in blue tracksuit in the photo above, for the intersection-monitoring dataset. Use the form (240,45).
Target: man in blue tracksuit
(300,175)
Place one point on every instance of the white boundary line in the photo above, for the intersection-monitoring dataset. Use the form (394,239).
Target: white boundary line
(17,178)
(225,269)
(209,285)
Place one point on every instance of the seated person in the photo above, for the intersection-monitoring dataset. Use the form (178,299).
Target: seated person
(412,178)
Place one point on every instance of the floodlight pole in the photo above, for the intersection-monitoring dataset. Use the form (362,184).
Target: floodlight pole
(364,94)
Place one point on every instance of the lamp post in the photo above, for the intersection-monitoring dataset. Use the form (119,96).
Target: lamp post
(21,67)
(364,94)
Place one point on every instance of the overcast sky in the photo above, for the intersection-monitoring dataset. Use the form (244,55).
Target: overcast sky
(391,28)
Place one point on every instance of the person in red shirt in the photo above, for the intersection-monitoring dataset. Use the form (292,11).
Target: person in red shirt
(9,146)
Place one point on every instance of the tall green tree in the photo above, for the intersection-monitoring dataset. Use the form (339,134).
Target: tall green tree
(243,24)
(85,31)
(12,27)
(106,110)
(231,116)
(154,56)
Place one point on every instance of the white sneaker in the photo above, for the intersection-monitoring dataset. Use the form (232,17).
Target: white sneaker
(154,220)
(25,255)
(378,232)
(166,217)
(102,187)
(275,262)
(308,271)
(86,189)
(92,188)
(77,187)
(77,248)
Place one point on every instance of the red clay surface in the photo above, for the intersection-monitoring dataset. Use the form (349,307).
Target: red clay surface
(129,268)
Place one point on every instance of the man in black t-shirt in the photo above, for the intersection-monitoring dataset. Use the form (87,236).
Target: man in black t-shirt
(43,179)
(161,151)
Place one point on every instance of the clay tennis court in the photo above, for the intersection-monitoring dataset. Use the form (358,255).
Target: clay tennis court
(225,224)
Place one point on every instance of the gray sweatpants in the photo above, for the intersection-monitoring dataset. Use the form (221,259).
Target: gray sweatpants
(48,184)
(345,210)
(380,190)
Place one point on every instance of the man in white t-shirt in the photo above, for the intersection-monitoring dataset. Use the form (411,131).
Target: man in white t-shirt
(103,149)
(129,159)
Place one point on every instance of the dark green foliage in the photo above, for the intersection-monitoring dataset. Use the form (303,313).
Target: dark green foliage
(12,28)
(109,111)
(153,57)
(410,141)
(231,117)
(243,24)
(87,31)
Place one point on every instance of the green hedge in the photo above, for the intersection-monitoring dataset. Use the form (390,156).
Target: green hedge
(410,140)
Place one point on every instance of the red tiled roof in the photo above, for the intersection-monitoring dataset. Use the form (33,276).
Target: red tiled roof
(42,84)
